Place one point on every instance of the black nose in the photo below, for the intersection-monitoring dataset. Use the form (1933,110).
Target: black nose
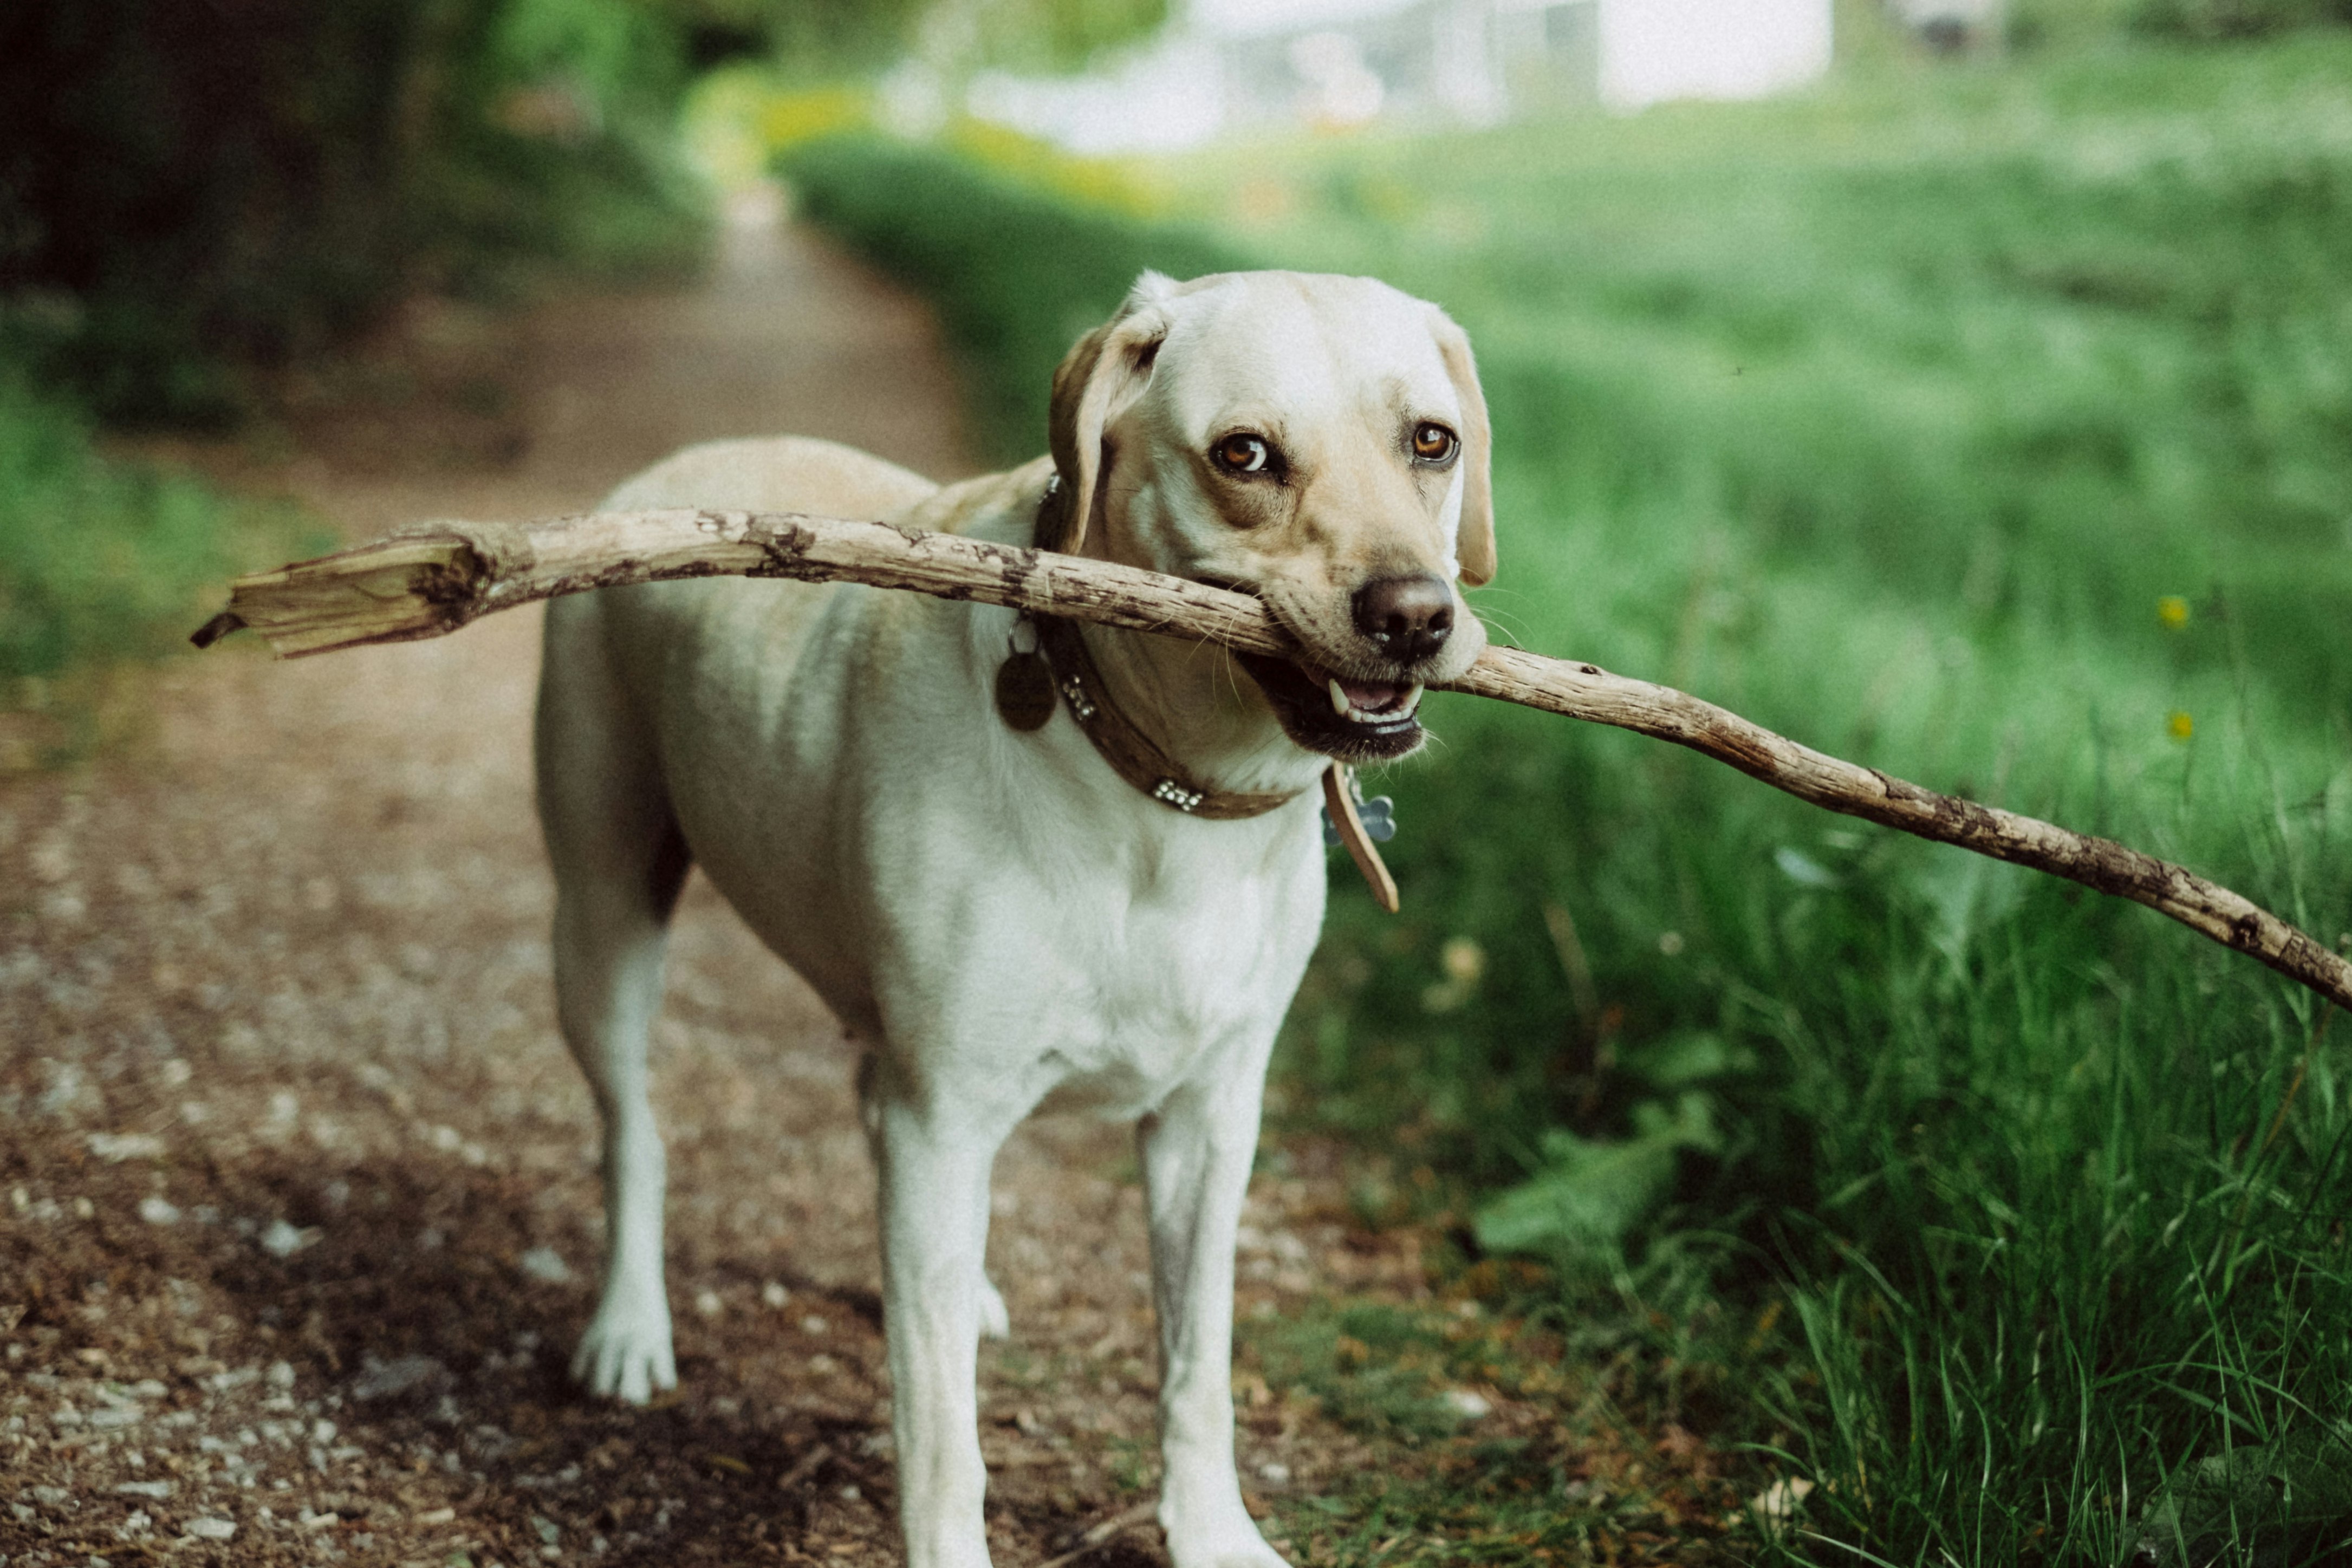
(1407,618)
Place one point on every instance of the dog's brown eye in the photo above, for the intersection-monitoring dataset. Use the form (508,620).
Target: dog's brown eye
(1433,442)
(1244,455)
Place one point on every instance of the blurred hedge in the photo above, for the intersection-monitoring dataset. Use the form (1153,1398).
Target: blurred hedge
(186,189)
(1016,274)
(2219,20)
(103,560)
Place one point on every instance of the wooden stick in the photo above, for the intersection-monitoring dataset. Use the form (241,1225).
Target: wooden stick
(1117,1524)
(435,580)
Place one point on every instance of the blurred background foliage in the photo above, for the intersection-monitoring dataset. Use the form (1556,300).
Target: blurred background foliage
(1987,420)
(191,191)
(195,198)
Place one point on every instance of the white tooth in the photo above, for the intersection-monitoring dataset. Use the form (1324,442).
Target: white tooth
(1340,703)
(1412,696)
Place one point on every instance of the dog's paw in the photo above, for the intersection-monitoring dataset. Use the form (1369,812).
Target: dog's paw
(625,1352)
(1216,1537)
(1232,1554)
(995,1323)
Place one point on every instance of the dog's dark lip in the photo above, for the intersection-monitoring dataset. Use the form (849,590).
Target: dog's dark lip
(1301,701)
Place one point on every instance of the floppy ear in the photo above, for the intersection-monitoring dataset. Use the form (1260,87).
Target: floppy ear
(1094,385)
(1475,545)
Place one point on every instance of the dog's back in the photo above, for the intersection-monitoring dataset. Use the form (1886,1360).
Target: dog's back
(774,474)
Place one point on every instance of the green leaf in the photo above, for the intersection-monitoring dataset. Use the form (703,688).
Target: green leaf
(1589,1194)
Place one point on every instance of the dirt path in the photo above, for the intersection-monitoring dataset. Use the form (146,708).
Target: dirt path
(298,1194)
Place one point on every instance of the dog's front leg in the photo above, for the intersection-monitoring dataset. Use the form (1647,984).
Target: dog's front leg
(935,1162)
(1197,1150)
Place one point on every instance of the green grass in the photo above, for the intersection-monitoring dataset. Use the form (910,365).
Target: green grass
(1888,418)
(103,560)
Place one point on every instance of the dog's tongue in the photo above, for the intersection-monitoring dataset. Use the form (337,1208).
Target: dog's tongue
(1372,697)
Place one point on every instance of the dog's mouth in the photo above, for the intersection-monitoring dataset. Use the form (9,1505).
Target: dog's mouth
(1345,716)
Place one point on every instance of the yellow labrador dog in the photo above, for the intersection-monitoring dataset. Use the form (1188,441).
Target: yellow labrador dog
(1026,865)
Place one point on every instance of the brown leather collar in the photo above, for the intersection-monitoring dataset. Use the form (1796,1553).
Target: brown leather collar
(1137,758)
(1132,754)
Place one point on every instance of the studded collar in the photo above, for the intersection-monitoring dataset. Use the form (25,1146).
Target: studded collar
(1129,750)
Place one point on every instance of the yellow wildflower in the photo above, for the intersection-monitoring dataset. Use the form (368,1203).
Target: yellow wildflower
(2181,727)
(2173,610)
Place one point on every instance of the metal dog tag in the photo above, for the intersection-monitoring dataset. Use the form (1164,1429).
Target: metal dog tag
(1378,815)
(1024,691)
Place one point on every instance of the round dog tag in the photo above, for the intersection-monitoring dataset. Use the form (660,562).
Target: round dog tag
(1024,691)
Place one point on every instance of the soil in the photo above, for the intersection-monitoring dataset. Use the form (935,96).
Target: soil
(298,1207)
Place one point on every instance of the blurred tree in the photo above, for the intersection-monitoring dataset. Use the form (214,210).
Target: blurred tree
(184,187)
(1061,35)
(190,186)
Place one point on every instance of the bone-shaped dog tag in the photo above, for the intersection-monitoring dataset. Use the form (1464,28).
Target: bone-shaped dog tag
(1344,824)
(1377,814)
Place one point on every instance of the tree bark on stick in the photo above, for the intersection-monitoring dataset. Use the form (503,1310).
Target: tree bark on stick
(435,580)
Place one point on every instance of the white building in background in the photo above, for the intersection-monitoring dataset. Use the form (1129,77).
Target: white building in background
(1227,65)
(1654,50)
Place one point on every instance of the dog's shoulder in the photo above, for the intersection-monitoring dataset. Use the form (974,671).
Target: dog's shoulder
(999,506)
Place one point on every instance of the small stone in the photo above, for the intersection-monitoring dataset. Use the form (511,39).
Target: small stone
(209,1528)
(386,1379)
(812,1324)
(708,1304)
(546,1265)
(1274,1472)
(1468,1404)
(159,1211)
(774,1295)
(280,1374)
(158,1489)
(283,1240)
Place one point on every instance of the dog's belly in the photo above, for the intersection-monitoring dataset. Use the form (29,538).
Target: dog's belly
(746,682)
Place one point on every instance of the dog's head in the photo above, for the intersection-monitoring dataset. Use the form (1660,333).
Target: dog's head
(1318,441)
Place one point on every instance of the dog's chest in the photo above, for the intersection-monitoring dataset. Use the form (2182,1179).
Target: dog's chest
(1108,964)
(1164,982)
